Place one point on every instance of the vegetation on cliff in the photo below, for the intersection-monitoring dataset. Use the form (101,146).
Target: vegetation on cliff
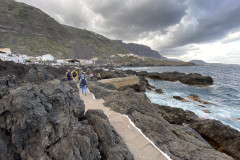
(28,30)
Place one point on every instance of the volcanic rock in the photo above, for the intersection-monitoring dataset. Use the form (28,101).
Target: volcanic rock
(80,143)
(127,101)
(171,140)
(206,111)
(101,90)
(196,98)
(112,146)
(43,118)
(180,98)
(159,91)
(192,78)
(222,137)
(175,115)
(35,117)
(176,143)
(107,74)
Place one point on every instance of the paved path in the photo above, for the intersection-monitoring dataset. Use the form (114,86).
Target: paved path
(139,146)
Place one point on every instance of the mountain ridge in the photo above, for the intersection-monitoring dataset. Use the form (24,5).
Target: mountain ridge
(28,30)
(141,50)
(197,61)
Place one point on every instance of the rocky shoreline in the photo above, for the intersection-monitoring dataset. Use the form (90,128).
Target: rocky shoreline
(181,134)
(42,117)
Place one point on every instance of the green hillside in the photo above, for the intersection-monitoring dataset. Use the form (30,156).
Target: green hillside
(28,30)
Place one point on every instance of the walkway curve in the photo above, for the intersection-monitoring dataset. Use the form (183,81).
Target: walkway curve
(138,144)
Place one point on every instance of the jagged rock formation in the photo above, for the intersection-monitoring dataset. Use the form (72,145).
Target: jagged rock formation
(43,118)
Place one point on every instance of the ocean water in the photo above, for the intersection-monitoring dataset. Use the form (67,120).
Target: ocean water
(224,94)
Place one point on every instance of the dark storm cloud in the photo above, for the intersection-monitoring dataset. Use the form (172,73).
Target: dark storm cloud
(125,19)
(178,51)
(130,19)
(209,21)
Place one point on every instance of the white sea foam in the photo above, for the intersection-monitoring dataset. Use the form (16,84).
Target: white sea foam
(224,94)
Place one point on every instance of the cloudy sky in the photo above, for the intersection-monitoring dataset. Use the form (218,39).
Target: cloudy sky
(184,29)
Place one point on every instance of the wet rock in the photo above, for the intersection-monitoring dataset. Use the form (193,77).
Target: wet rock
(221,136)
(175,115)
(111,145)
(159,91)
(192,78)
(144,83)
(180,98)
(206,111)
(196,98)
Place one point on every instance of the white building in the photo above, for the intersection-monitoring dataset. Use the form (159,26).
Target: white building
(59,61)
(47,57)
(12,57)
(4,53)
(88,62)
(3,56)
(5,50)
(121,55)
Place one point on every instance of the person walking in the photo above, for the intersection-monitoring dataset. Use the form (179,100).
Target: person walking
(83,83)
(99,76)
(68,76)
(91,76)
(74,74)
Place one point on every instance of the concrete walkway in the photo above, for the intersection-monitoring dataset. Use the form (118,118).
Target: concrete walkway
(139,146)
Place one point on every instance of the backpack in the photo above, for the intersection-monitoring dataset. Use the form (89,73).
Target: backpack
(83,82)
(69,74)
(74,74)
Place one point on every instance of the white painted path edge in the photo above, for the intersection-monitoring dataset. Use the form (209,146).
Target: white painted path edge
(133,125)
